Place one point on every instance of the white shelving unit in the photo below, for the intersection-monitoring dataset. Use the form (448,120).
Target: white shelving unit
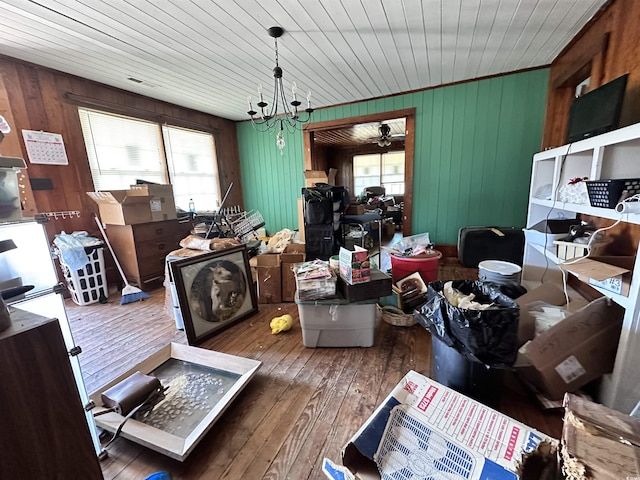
(613,155)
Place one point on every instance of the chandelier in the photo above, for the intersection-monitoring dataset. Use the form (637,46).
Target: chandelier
(291,117)
(385,135)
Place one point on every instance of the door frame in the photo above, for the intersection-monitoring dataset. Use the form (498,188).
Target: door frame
(409,150)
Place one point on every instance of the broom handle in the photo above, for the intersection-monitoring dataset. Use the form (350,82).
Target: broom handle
(115,259)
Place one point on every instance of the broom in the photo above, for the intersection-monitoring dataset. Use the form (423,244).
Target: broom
(129,292)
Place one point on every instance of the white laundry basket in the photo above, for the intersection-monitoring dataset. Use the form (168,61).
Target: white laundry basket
(89,284)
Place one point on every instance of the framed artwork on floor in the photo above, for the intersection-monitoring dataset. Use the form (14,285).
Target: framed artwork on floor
(214,291)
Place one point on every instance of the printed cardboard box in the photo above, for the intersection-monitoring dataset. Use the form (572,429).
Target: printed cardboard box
(162,203)
(354,265)
(121,207)
(580,348)
(612,274)
(426,430)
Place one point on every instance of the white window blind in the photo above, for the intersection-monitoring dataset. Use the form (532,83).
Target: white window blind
(122,150)
(386,169)
(192,167)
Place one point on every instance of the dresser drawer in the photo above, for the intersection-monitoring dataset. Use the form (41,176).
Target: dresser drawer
(154,230)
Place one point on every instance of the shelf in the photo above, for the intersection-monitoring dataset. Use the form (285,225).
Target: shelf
(589,210)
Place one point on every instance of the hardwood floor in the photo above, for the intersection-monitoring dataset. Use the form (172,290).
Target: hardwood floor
(302,405)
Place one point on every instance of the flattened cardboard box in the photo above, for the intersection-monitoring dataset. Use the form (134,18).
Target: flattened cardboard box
(121,207)
(426,430)
(580,348)
(603,442)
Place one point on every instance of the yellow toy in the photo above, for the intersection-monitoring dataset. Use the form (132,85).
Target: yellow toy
(281,324)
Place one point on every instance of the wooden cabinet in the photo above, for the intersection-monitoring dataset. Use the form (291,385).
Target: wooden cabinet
(612,155)
(141,249)
(44,431)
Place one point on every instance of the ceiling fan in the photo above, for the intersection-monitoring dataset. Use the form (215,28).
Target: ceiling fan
(386,137)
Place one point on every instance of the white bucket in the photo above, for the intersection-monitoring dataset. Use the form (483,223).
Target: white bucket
(499,272)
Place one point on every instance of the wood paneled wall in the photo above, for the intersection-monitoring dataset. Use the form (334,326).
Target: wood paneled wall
(37,98)
(606,49)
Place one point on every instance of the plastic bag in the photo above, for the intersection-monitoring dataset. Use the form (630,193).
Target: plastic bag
(71,250)
(486,336)
(409,244)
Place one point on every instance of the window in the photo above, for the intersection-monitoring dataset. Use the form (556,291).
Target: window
(122,150)
(386,169)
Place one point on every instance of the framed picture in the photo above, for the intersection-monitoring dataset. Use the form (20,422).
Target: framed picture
(214,291)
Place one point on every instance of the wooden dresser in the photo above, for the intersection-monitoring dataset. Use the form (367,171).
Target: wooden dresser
(44,430)
(142,248)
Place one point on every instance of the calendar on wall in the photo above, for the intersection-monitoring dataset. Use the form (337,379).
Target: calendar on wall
(44,147)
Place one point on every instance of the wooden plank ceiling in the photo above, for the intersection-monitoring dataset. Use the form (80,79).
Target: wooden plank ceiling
(211,55)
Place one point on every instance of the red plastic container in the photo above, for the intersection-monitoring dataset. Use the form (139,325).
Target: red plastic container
(426,265)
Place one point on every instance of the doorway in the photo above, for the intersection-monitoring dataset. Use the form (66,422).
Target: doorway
(348,133)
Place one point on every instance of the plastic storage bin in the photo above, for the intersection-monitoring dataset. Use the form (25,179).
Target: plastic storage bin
(606,193)
(337,323)
(426,265)
(89,284)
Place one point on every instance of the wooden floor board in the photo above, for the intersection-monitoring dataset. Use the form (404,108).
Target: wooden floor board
(302,406)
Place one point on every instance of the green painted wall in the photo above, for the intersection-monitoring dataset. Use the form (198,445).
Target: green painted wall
(474,144)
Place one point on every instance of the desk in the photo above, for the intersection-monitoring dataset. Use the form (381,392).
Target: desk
(360,222)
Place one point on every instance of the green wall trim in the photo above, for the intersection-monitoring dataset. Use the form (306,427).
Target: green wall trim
(473,147)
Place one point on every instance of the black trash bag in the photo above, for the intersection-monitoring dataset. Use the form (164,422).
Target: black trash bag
(487,336)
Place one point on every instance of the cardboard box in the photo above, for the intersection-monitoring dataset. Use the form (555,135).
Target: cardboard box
(121,207)
(612,274)
(427,430)
(311,177)
(580,348)
(354,265)
(547,292)
(599,440)
(379,285)
(354,209)
(269,278)
(162,203)
(292,254)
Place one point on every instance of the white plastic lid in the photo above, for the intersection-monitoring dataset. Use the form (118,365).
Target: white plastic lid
(498,266)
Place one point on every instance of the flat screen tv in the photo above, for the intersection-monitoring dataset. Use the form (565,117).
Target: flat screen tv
(597,111)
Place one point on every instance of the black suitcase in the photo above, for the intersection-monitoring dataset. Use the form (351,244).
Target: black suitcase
(476,244)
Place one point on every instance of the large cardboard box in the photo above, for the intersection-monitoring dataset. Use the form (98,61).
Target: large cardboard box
(162,203)
(311,177)
(121,207)
(547,292)
(575,351)
(598,440)
(292,254)
(612,274)
(269,278)
(426,430)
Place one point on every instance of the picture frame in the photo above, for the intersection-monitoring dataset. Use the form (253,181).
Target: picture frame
(214,291)
(192,417)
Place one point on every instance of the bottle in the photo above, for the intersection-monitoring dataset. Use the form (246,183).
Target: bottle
(192,206)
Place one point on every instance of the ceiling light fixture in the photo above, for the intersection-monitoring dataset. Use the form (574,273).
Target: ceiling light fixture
(269,118)
(385,135)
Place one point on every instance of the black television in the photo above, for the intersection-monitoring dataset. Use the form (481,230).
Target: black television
(597,111)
